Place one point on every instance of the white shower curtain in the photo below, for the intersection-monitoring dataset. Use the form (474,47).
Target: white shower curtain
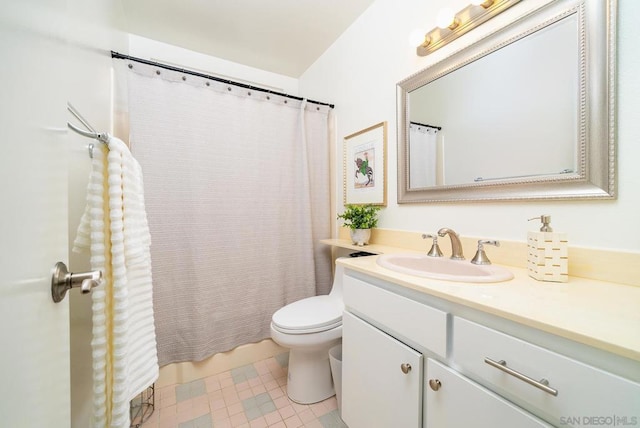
(237,195)
(423,156)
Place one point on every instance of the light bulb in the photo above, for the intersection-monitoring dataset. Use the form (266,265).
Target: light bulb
(416,37)
(445,17)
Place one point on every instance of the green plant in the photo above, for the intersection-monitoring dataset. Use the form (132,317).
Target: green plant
(360,216)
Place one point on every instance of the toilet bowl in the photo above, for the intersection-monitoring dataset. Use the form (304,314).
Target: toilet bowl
(309,328)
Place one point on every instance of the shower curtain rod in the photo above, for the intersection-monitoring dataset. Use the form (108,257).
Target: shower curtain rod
(427,126)
(117,55)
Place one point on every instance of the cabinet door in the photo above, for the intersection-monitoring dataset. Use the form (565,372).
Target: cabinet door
(376,391)
(457,402)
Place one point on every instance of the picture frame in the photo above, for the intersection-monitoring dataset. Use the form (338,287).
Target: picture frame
(365,166)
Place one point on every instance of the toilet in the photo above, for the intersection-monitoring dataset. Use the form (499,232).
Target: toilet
(309,328)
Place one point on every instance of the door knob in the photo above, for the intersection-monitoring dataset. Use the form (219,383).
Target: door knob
(63,280)
(435,384)
(406,368)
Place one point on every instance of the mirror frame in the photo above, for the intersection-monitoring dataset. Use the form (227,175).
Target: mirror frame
(595,177)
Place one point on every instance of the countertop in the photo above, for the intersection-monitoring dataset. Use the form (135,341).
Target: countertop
(596,313)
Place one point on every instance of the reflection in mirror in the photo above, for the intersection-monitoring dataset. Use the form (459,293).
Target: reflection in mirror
(524,113)
(425,166)
(528,129)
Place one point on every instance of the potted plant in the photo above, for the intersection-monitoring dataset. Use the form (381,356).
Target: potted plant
(360,219)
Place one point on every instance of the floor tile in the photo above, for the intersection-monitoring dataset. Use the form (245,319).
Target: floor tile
(219,415)
(243,395)
(273,418)
(212,383)
(258,423)
(182,392)
(253,413)
(198,388)
(276,393)
(251,396)
(189,390)
(332,420)
(238,419)
(267,408)
(203,421)
(293,422)
(283,359)
(286,412)
(243,373)
(235,408)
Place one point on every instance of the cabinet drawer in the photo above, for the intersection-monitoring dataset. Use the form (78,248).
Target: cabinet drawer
(414,321)
(583,393)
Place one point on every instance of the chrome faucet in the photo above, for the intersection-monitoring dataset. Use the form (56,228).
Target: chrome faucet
(456,246)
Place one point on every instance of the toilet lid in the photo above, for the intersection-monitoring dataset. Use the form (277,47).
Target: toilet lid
(309,315)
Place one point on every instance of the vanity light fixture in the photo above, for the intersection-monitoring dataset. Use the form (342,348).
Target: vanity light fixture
(451,27)
(483,3)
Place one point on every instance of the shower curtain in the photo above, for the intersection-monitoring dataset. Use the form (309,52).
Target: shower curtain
(423,156)
(237,196)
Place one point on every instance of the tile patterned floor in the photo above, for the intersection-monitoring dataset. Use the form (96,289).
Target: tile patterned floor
(253,396)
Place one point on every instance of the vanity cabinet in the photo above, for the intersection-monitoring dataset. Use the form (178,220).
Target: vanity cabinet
(462,372)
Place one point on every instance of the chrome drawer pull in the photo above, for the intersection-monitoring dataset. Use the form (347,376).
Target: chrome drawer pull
(541,384)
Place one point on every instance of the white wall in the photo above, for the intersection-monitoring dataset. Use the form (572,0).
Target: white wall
(359,73)
(183,58)
(92,34)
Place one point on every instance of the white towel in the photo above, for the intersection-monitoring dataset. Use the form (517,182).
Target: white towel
(114,227)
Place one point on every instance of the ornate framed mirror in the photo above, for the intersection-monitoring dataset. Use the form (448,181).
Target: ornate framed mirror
(527,112)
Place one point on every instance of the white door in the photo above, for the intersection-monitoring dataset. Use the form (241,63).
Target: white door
(381,378)
(34,331)
(453,401)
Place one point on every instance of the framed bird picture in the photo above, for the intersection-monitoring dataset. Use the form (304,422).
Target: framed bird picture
(365,166)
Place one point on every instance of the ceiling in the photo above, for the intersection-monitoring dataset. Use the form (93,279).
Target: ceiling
(281,36)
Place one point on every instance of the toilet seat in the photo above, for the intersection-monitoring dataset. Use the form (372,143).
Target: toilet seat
(310,315)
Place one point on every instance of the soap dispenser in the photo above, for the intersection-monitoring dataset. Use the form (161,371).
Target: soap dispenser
(547,253)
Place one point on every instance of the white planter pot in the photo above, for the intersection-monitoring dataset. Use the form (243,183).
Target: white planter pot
(360,237)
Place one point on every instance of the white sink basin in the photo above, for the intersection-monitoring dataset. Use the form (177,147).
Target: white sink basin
(443,268)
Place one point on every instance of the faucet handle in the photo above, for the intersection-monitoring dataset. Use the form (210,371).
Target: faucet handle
(435,249)
(481,257)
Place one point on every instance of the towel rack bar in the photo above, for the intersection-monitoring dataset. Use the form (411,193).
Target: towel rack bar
(78,116)
(95,135)
(103,137)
